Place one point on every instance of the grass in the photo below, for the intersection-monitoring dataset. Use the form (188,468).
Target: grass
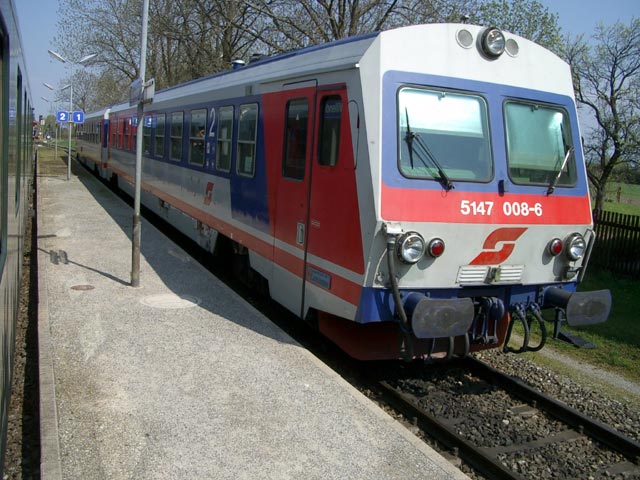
(629,203)
(617,340)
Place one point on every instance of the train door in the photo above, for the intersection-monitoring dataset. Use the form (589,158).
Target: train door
(334,239)
(292,195)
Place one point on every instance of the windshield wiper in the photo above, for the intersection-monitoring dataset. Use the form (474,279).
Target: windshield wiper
(409,138)
(552,185)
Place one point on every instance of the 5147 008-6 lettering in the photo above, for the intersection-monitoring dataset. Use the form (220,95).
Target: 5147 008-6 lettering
(510,209)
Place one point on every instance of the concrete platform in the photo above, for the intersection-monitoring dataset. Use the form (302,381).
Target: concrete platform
(180,378)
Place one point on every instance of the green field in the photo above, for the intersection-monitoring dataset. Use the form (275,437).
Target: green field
(617,341)
(629,203)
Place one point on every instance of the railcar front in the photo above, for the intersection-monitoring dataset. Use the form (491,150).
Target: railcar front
(483,214)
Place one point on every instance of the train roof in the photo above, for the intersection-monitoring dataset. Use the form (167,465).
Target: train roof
(311,60)
(419,47)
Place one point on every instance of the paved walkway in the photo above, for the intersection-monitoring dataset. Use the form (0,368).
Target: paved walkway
(180,378)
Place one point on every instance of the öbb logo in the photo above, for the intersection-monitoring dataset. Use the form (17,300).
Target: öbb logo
(491,255)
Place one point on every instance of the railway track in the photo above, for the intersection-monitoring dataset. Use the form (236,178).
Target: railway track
(447,409)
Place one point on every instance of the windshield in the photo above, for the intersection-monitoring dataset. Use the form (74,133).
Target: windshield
(454,128)
(539,147)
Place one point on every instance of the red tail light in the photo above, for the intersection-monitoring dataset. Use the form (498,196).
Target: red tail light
(555,247)
(436,247)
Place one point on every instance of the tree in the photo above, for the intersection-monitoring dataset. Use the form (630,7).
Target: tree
(415,12)
(607,83)
(110,28)
(187,39)
(528,18)
(290,25)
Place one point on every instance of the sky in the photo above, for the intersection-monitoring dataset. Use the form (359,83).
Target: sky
(38,20)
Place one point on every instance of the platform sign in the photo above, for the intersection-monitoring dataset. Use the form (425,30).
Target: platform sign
(78,116)
(62,116)
(135,92)
(141,92)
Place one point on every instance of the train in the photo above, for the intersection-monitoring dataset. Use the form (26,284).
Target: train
(412,193)
(16,176)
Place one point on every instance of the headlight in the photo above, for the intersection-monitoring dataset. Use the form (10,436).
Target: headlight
(575,246)
(492,42)
(410,247)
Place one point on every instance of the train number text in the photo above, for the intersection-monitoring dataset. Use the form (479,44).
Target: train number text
(509,209)
(471,207)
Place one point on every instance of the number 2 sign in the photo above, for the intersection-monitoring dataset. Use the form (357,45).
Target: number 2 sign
(62,116)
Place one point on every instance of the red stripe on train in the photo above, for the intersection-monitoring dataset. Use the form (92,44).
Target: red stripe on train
(403,204)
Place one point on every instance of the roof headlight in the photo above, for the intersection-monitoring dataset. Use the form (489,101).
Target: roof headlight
(575,246)
(492,42)
(410,247)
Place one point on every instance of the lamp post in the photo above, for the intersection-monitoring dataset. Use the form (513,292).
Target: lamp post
(50,110)
(135,236)
(83,60)
(50,87)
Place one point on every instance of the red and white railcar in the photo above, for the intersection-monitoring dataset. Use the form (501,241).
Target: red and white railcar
(415,192)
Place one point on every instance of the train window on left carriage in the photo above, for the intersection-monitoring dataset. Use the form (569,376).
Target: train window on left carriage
(175,147)
(295,140)
(159,135)
(329,140)
(247,127)
(18,143)
(197,126)
(443,130)
(4,106)
(539,145)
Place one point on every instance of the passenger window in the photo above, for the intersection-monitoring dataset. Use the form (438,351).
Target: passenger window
(120,133)
(159,135)
(175,150)
(197,130)
(329,140)
(146,134)
(114,133)
(212,119)
(225,137)
(131,128)
(295,147)
(126,133)
(19,142)
(247,128)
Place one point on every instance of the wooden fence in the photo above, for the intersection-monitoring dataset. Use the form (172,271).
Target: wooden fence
(617,247)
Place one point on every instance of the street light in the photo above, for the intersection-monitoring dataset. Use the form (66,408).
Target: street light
(50,87)
(51,110)
(83,60)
